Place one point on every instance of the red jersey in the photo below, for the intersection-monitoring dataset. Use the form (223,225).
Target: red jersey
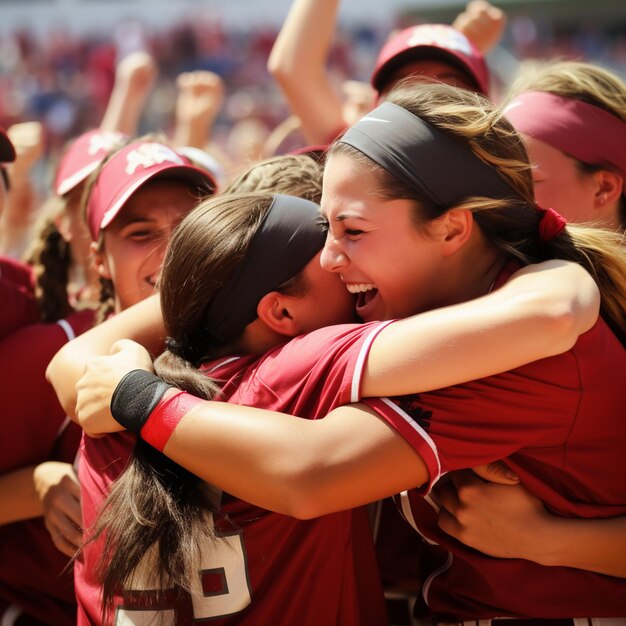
(559,423)
(33,574)
(33,417)
(270,569)
(17,296)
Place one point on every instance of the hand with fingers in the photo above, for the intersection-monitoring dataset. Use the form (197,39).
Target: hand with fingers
(137,73)
(99,381)
(493,517)
(134,77)
(200,98)
(482,23)
(28,141)
(59,491)
(21,203)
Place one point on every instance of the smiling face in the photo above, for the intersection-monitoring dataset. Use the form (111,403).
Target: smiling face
(136,240)
(375,246)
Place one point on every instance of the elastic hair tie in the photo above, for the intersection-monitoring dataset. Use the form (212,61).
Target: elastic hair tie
(551,224)
(191,352)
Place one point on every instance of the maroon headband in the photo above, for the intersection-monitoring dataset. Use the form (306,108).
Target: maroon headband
(584,131)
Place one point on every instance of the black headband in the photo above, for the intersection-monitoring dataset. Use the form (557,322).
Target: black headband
(288,238)
(433,163)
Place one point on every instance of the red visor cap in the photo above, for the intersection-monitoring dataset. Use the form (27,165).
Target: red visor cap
(436,41)
(83,156)
(129,169)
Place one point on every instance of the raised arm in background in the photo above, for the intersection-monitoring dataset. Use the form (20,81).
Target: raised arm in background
(20,209)
(134,77)
(298,64)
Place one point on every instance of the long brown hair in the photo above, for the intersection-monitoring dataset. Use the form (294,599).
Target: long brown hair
(50,257)
(156,507)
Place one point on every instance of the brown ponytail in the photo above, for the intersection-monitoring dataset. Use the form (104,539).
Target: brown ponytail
(158,511)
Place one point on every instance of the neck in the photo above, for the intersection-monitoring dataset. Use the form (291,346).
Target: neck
(258,338)
(475,270)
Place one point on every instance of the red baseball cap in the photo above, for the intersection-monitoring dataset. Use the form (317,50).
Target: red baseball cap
(431,41)
(83,156)
(7,151)
(131,167)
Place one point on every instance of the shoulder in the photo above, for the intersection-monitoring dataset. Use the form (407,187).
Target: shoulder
(16,272)
(332,338)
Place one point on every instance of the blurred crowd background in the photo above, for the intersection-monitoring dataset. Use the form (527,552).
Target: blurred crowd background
(59,69)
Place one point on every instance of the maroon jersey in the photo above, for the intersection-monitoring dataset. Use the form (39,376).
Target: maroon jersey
(33,574)
(32,416)
(559,423)
(18,306)
(269,569)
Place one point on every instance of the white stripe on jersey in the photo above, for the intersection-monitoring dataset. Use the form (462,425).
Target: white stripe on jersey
(67,327)
(221,364)
(426,586)
(69,332)
(10,615)
(422,433)
(355,394)
(407,513)
(66,422)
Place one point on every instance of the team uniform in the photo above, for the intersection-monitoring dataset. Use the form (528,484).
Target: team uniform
(17,295)
(563,433)
(33,578)
(270,569)
(559,424)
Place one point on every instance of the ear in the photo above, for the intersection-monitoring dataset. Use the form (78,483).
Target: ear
(609,188)
(456,229)
(100,260)
(275,311)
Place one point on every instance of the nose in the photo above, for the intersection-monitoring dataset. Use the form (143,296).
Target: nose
(332,259)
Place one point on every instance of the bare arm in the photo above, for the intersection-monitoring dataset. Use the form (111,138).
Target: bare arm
(199,100)
(351,457)
(508,522)
(21,206)
(142,323)
(259,456)
(482,23)
(540,312)
(232,447)
(298,64)
(18,497)
(134,77)
(50,490)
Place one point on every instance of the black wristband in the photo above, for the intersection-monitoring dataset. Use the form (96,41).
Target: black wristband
(135,397)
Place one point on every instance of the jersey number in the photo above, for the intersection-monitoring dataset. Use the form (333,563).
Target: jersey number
(222,588)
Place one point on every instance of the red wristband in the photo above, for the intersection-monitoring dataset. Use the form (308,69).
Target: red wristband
(163,420)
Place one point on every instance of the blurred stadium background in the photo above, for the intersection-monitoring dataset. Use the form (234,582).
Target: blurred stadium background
(58,57)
